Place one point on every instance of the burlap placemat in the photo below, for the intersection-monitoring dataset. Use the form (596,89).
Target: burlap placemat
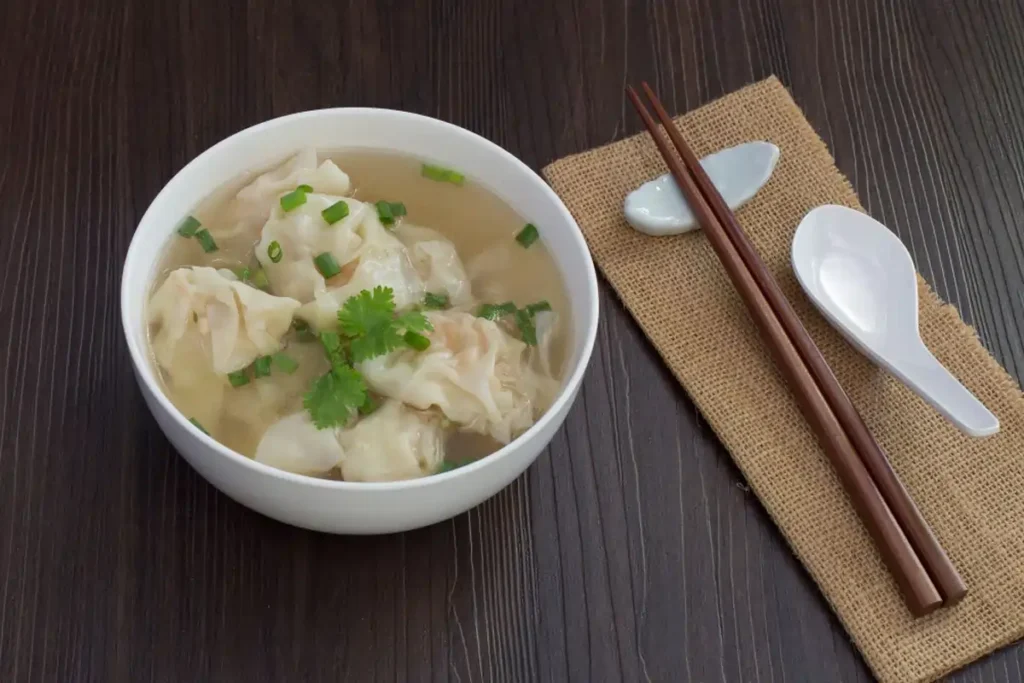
(970,490)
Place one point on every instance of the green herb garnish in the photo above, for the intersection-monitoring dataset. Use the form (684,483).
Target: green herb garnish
(285,363)
(528,235)
(242,273)
(534,309)
(448,466)
(261,367)
(332,348)
(195,423)
(397,209)
(416,341)
(335,212)
(368,319)
(436,302)
(274,251)
(442,174)
(294,199)
(527,330)
(495,311)
(238,379)
(327,265)
(305,188)
(387,217)
(206,241)
(189,226)
(335,397)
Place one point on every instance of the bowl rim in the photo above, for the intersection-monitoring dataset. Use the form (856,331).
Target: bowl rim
(145,373)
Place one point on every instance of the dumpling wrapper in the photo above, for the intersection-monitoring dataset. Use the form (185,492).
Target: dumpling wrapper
(252,205)
(378,259)
(473,371)
(392,443)
(294,444)
(200,308)
(437,262)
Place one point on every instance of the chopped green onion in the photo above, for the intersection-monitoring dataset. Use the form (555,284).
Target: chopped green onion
(442,174)
(242,273)
(448,466)
(189,226)
(527,235)
(534,309)
(285,363)
(259,279)
(206,241)
(417,341)
(238,379)
(261,367)
(195,423)
(302,328)
(397,209)
(436,302)
(293,199)
(335,212)
(274,251)
(526,327)
(384,212)
(369,405)
(495,311)
(305,188)
(326,264)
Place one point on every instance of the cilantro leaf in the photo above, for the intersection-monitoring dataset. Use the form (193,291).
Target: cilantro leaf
(368,320)
(335,397)
(413,321)
(366,311)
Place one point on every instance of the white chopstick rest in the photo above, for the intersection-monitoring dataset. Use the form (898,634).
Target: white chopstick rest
(658,208)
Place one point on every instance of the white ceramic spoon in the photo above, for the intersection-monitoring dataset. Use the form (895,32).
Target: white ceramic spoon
(862,279)
(658,208)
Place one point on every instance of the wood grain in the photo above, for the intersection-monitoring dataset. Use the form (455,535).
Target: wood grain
(631,551)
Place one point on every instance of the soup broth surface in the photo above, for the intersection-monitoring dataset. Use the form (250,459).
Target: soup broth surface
(483,230)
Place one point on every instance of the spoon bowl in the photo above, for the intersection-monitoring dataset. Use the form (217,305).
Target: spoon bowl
(862,279)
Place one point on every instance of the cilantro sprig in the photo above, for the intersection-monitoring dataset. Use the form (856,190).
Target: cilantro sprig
(369,321)
(367,327)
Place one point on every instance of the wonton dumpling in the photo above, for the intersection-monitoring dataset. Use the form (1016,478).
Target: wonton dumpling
(304,234)
(394,442)
(251,207)
(378,267)
(231,323)
(294,444)
(437,263)
(474,371)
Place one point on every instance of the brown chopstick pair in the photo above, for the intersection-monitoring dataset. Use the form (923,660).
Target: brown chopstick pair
(920,567)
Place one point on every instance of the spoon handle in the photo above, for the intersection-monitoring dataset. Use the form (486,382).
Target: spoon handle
(930,379)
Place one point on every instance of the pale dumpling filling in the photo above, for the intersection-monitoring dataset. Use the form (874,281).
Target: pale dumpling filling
(334,337)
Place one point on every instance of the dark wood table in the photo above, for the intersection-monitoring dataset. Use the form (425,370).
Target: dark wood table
(631,550)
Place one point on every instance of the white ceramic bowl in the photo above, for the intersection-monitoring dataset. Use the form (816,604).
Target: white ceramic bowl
(351,507)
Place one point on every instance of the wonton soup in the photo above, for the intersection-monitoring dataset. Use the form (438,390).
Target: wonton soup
(358,315)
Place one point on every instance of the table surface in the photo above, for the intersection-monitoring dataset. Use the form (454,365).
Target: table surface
(631,550)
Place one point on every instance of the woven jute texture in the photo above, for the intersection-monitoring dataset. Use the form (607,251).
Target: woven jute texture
(970,490)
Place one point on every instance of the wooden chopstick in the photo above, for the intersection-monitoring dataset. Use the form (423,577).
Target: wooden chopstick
(920,593)
(933,557)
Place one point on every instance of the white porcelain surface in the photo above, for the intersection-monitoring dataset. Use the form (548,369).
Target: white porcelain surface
(350,507)
(862,279)
(658,207)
